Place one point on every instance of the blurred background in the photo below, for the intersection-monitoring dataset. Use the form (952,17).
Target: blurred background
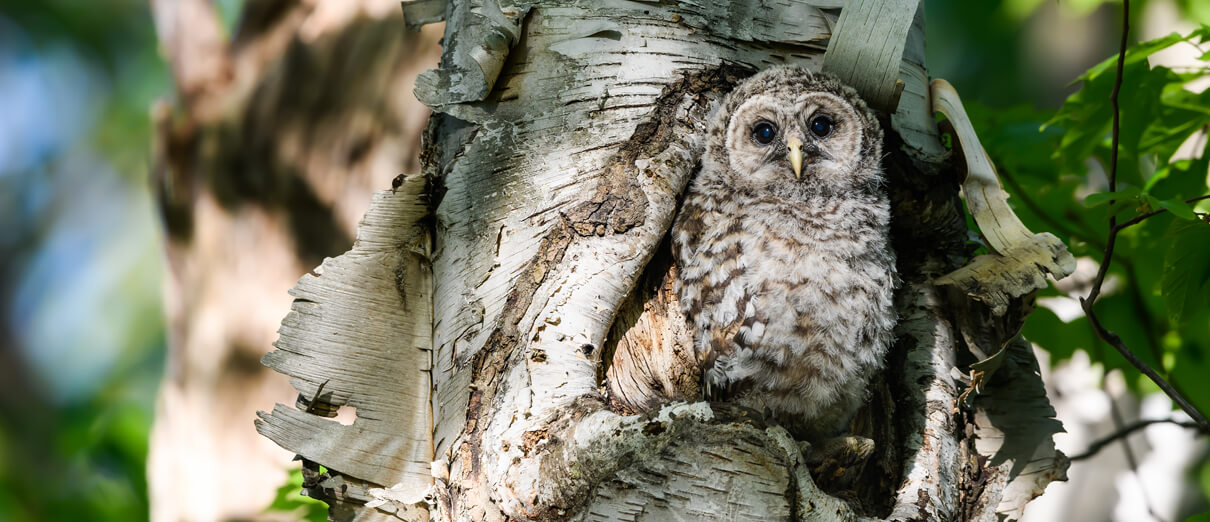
(81,323)
(83,339)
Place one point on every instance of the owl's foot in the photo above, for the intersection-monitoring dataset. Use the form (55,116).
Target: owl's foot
(837,462)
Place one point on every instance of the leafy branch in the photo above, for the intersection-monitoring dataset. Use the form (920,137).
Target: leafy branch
(1139,219)
(1107,259)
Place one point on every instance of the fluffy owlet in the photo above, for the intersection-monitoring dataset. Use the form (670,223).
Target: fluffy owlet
(786,267)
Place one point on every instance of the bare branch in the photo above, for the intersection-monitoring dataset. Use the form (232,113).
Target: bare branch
(1126,431)
(1113,162)
(1147,370)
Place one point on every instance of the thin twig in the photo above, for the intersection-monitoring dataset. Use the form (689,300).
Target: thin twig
(1107,258)
(1116,342)
(1126,431)
(1139,219)
(1119,424)
(1113,161)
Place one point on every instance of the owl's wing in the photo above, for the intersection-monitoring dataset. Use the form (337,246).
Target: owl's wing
(686,242)
(727,345)
(713,295)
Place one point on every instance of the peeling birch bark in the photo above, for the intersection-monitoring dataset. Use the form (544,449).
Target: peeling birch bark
(378,294)
(1013,439)
(562,388)
(1022,258)
(867,64)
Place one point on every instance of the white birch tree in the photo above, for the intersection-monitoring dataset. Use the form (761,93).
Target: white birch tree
(504,328)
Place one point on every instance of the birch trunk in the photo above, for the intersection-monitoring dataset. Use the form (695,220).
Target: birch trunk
(556,381)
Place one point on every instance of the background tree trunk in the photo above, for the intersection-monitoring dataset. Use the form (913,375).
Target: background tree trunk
(564,138)
(263,165)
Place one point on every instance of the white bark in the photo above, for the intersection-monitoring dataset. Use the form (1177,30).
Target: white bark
(567,137)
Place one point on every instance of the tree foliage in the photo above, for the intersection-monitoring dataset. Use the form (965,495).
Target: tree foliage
(1055,165)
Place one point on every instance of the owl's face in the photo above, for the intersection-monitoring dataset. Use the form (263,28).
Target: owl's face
(790,132)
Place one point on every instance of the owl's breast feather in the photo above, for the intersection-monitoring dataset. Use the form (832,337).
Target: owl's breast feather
(791,305)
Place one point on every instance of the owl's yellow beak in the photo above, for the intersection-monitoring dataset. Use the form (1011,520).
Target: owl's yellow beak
(795,146)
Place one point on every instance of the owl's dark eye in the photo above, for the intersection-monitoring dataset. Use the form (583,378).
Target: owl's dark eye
(764,132)
(821,126)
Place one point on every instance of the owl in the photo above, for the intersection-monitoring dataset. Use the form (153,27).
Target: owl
(786,271)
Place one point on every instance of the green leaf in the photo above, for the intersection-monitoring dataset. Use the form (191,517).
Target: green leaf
(1178,208)
(1101,198)
(1152,203)
(291,500)
(1187,270)
(1182,178)
(1134,54)
(1202,34)
(1168,121)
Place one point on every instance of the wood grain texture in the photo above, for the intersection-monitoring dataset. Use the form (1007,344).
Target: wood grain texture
(648,357)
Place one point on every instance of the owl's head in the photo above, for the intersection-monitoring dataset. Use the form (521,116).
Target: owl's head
(789,131)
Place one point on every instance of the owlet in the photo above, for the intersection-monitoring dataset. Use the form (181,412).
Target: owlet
(786,268)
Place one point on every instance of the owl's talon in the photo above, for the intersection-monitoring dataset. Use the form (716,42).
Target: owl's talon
(845,451)
(836,463)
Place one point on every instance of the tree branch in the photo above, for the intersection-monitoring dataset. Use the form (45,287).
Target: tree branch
(1139,219)
(1113,162)
(1147,370)
(1126,431)
(1107,258)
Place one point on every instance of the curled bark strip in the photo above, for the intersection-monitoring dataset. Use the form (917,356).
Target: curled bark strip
(1022,258)
(417,13)
(471,65)
(871,65)
(1014,428)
